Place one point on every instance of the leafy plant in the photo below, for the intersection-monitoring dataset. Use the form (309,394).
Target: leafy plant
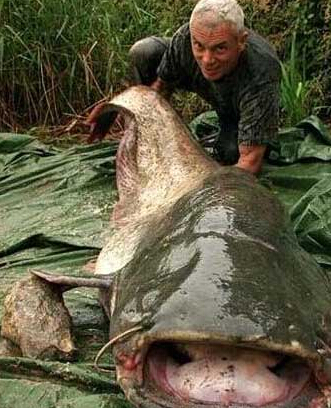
(294,88)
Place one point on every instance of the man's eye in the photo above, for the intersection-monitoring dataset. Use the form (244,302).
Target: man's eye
(198,46)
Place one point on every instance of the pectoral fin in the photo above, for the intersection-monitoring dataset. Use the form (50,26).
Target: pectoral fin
(65,283)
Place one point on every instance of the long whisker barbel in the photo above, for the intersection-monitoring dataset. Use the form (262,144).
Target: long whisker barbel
(110,343)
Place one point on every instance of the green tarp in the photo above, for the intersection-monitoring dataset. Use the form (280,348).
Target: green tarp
(55,207)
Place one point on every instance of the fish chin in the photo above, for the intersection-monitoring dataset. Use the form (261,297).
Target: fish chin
(199,375)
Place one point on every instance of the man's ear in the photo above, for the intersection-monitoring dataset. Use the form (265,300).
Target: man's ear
(242,40)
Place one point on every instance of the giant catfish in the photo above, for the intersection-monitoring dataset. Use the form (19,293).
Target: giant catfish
(212,302)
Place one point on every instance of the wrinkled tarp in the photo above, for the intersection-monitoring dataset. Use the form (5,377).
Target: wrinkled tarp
(54,215)
(54,209)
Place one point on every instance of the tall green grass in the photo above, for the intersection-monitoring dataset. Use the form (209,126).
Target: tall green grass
(294,87)
(59,56)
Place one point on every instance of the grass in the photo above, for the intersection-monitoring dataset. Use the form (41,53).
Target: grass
(57,57)
(294,88)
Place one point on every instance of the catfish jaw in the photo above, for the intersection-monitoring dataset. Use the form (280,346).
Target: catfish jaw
(175,374)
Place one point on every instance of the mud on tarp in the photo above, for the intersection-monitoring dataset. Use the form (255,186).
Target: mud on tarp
(54,215)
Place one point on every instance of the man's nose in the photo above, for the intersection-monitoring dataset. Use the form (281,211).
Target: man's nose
(207,57)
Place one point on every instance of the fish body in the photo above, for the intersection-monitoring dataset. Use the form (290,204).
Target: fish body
(213,301)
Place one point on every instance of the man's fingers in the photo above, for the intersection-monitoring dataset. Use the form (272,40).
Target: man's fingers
(96,111)
(100,120)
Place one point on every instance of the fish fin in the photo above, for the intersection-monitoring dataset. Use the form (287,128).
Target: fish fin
(127,177)
(65,283)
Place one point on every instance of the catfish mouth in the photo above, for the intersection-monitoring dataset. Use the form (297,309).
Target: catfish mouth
(220,375)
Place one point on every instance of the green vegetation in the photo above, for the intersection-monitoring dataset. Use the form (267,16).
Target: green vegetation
(300,30)
(57,57)
(294,88)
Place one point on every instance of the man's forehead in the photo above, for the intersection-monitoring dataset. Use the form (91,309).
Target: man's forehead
(220,32)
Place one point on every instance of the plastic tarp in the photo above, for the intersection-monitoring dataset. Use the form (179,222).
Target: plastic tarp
(54,215)
(54,209)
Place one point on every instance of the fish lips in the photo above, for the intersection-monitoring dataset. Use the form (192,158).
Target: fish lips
(161,374)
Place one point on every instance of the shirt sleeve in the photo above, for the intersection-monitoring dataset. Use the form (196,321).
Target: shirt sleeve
(259,115)
(171,68)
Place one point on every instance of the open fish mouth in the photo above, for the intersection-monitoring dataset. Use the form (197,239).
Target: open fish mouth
(224,375)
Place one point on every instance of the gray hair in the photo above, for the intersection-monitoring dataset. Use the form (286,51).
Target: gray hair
(221,11)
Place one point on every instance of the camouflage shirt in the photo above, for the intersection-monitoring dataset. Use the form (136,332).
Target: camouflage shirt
(247,99)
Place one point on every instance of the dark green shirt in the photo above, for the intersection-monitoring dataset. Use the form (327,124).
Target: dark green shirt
(247,99)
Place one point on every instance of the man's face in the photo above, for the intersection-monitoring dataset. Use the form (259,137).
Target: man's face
(216,48)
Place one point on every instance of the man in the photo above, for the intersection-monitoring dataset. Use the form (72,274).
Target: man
(232,68)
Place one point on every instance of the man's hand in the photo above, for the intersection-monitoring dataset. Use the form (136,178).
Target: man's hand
(251,157)
(100,120)
(162,87)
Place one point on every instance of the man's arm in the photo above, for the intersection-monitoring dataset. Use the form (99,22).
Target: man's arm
(251,157)
(258,125)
